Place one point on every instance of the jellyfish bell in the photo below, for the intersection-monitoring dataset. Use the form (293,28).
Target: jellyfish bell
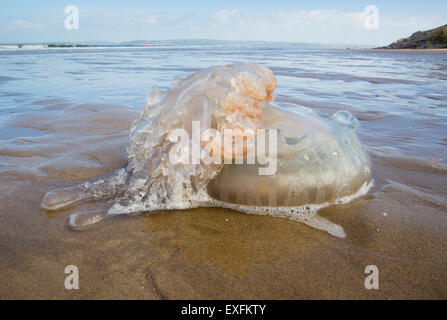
(318,160)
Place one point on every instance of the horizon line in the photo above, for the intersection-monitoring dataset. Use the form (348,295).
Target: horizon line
(180,39)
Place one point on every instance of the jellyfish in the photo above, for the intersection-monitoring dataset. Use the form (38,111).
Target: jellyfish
(318,158)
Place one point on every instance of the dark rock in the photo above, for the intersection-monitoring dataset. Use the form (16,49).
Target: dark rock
(429,39)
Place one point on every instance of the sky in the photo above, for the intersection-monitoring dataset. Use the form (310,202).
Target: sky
(316,21)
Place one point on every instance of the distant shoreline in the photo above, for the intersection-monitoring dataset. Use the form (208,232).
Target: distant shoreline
(180,42)
(302,46)
(411,50)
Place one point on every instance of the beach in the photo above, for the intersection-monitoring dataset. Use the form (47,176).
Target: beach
(65,115)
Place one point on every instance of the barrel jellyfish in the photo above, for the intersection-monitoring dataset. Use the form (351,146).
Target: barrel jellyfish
(318,158)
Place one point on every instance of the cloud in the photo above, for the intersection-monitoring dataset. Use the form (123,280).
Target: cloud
(151,20)
(320,18)
(293,19)
(412,22)
(224,15)
(22,24)
(152,17)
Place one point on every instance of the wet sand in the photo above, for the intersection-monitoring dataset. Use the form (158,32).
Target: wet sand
(400,226)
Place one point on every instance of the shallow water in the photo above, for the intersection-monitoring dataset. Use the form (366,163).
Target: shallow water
(65,115)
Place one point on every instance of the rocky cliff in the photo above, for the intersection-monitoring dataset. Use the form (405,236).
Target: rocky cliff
(429,39)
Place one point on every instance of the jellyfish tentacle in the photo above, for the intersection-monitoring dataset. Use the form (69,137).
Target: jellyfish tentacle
(83,219)
(63,197)
(99,189)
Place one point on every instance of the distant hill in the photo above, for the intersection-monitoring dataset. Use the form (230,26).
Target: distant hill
(429,39)
(180,42)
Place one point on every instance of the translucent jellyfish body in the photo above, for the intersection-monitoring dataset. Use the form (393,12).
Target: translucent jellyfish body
(319,159)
